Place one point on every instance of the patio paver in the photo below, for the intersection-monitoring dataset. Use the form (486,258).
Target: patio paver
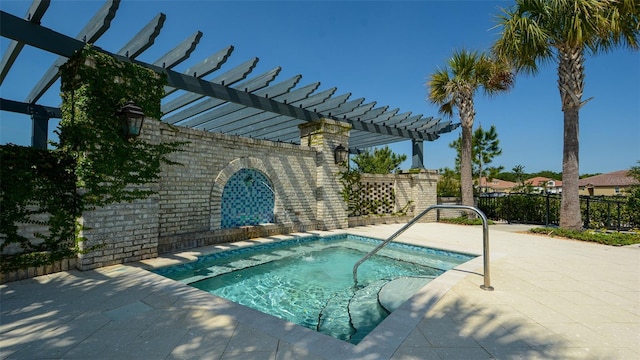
(553,299)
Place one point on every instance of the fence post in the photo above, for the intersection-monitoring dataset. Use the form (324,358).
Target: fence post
(618,227)
(546,219)
(509,212)
(587,221)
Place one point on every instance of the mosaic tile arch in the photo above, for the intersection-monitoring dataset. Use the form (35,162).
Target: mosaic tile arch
(248,198)
(221,180)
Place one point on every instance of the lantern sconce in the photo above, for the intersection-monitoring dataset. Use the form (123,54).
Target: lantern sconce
(131,119)
(340,154)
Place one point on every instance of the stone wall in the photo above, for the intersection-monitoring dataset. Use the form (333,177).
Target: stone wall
(424,186)
(451,213)
(190,195)
(324,136)
(27,229)
(123,232)
(412,193)
(185,212)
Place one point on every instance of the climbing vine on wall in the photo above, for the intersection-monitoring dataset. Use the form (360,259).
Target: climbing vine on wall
(37,189)
(94,87)
(92,165)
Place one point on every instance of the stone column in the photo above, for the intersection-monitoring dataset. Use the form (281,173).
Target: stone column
(424,192)
(126,231)
(325,135)
(94,86)
(417,158)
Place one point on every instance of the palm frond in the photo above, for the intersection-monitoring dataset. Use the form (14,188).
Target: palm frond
(534,30)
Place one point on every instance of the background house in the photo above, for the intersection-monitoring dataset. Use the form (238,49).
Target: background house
(495,186)
(610,184)
(544,185)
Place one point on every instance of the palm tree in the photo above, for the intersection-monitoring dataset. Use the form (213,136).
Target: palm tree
(537,31)
(454,88)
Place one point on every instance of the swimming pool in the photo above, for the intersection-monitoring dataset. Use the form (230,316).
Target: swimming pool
(308,281)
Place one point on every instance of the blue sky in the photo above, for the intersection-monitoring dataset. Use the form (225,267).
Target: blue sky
(383,51)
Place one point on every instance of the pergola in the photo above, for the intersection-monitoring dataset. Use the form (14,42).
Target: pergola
(233,102)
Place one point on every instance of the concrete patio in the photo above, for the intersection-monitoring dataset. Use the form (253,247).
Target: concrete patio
(553,299)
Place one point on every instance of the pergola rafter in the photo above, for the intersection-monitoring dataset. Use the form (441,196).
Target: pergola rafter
(231,77)
(97,26)
(231,102)
(34,14)
(144,39)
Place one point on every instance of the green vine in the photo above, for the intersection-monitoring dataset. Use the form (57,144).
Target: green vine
(94,87)
(352,191)
(92,165)
(37,188)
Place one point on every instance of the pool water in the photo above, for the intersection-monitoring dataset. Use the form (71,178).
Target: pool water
(309,281)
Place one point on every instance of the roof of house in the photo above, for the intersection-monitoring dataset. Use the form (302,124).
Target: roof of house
(496,183)
(540,180)
(616,178)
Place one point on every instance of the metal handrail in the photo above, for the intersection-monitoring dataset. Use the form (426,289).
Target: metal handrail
(485,241)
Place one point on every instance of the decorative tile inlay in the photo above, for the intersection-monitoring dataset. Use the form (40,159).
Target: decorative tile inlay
(247,199)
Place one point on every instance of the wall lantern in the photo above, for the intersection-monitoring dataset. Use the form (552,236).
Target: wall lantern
(131,118)
(340,154)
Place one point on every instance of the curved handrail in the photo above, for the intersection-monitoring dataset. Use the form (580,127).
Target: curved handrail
(485,241)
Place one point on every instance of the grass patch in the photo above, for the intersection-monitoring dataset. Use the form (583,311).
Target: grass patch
(463,220)
(598,236)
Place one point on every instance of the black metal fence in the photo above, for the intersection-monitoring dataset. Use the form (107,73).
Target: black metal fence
(544,209)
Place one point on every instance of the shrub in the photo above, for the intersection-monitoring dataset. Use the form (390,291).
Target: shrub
(598,236)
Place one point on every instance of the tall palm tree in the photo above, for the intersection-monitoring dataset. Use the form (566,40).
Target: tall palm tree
(537,31)
(454,88)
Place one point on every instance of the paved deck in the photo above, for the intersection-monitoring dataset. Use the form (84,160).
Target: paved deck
(553,299)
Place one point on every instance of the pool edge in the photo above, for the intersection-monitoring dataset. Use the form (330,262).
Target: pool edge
(400,322)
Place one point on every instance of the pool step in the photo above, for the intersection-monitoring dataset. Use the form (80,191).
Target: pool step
(398,291)
(365,311)
(215,270)
(331,318)
(204,273)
